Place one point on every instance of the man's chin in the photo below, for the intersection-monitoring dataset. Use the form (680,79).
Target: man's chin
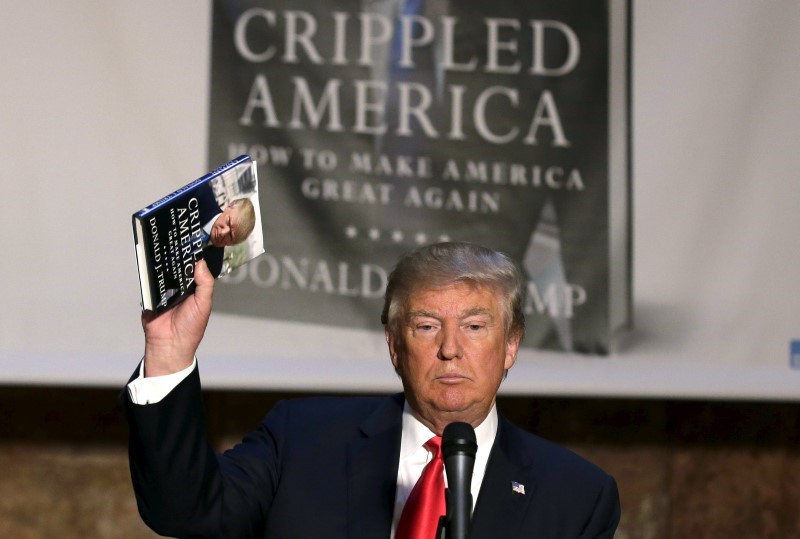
(453,399)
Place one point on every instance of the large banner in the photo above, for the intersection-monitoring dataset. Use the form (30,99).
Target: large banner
(383,125)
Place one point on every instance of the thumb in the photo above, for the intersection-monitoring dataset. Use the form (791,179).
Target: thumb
(204,281)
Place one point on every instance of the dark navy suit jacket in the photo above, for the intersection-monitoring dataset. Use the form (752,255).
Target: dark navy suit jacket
(327,467)
(209,208)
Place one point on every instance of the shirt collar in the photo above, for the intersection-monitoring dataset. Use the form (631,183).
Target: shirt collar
(415,434)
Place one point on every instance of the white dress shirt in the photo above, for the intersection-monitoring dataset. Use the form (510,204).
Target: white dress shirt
(414,457)
(154,388)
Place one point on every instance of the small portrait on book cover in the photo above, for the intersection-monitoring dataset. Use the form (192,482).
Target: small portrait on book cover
(228,219)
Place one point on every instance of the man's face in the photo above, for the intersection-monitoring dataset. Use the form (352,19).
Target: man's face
(224,231)
(455,353)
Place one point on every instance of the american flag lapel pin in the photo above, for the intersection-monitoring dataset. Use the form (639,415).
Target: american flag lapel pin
(518,488)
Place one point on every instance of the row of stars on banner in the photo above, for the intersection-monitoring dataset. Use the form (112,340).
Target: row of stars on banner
(395,235)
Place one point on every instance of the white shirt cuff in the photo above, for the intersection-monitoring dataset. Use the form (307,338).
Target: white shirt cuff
(153,389)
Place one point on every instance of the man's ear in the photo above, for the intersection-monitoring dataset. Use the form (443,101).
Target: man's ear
(393,349)
(512,348)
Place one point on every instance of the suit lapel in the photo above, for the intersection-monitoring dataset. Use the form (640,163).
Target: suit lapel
(372,460)
(500,508)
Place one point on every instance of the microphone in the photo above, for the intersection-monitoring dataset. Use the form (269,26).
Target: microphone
(458,447)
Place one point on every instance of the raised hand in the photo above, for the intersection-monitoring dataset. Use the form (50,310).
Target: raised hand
(172,337)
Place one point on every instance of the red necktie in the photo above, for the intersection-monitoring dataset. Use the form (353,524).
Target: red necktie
(425,504)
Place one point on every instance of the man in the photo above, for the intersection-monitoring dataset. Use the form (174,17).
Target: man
(223,228)
(344,467)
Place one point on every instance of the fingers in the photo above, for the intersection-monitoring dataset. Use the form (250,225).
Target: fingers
(203,293)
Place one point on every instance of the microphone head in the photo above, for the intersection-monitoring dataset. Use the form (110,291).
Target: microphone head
(459,438)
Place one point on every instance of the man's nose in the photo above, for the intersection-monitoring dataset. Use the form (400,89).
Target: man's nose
(450,345)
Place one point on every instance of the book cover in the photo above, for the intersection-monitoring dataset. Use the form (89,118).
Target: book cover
(215,218)
(386,125)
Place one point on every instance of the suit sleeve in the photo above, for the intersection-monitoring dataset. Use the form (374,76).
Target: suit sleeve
(605,517)
(184,489)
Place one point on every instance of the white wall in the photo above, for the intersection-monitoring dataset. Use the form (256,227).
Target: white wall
(103,106)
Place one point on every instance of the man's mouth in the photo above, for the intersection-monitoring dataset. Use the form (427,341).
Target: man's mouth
(451,378)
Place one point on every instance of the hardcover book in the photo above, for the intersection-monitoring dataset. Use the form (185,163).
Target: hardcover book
(215,218)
